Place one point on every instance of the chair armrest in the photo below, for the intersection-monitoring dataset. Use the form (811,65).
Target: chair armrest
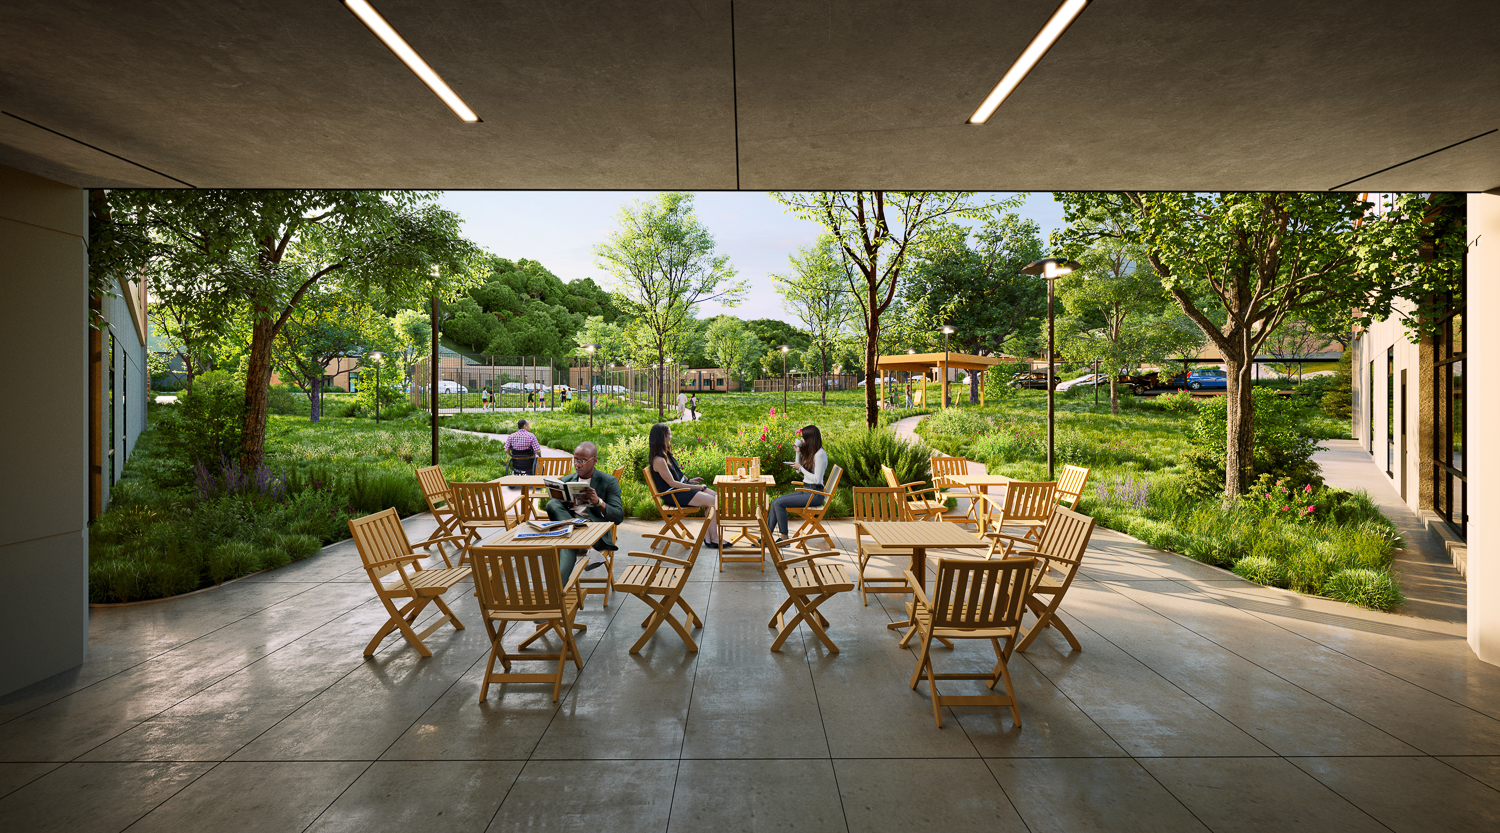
(798,483)
(659,558)
(428,542)
(674,491)
(814,492)
(791,541)
(916,586)
(810,556)
(910,493)
(670,538)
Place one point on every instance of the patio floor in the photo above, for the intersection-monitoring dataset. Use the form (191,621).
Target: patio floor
(1199,701)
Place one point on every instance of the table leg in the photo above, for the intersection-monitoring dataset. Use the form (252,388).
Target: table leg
(918,569)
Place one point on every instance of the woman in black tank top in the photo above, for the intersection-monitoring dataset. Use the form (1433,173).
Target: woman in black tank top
(666,475)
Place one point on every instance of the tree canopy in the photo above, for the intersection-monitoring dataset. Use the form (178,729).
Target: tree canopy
(520,308)
(664,264)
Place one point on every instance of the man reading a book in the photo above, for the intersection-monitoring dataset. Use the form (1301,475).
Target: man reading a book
(599,502)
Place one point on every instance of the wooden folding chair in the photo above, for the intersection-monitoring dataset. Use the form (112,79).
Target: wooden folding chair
(659,584)
(435,492)
(812,516)
(671,516)
(619,474)
(554,466)
(918,507)
(385,549)
(751,465)
(1059,553)
(480,506)
(738,511)
(1027,506)
(522,584)
(808,585)
(1070,485)
(875,504)
(972,600)
(944,468)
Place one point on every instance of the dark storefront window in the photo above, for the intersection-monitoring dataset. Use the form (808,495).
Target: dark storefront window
(1450,480)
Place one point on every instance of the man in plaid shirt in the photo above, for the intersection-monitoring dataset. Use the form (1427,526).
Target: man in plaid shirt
(521,444)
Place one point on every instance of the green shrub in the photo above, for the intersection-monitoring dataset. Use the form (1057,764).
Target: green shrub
(1261,570)
(233,559)
(205,425)
(281,399)
(273,556)
(1280,448)
(631,452)
(1180,402)
(298,546)
(861,453)
(1364,587)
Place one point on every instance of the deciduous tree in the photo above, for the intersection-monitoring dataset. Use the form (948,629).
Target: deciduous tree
(663,263)
(1261,257)
(816,293)
(878,232)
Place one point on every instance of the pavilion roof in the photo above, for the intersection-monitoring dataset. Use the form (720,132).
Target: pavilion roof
(923,362)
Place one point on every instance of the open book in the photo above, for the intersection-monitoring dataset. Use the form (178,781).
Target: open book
(570,493)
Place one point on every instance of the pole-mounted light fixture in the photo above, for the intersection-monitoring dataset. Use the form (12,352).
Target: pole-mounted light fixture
(1059,23)
(1051,269)
(376,356)
(414,62)
(785,348)
(590,348)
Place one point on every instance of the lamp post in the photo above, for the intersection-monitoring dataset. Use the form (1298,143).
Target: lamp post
(590,348)
(784,349)
(377,356)
(1051,269)
(947,331)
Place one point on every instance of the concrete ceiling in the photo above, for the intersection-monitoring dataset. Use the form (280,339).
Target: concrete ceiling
(757,94)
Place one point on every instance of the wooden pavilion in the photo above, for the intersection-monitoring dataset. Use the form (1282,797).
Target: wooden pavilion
(925,363)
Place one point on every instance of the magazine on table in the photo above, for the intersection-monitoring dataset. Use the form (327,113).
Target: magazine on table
(560,532)
(553,526)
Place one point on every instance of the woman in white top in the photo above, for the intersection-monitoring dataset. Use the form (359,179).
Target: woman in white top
(812,464)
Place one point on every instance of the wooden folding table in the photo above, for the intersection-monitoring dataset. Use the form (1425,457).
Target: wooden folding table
(919,536)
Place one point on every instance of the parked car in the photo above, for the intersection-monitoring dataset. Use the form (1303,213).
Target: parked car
(610,389)
(1211,379)
(1030,380)
(889,382)
(447,386)
(1085,379)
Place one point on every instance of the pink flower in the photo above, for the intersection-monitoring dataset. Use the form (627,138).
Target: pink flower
(1307,488)
(1285,508)
(764,439)
(773,412)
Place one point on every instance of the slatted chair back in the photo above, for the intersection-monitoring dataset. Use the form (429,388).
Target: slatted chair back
(1064,542)
(945,467)
(480,505)
(434,489)
(739,503)
(1070,485)
(1026,504)
(382,543)
(751,465)
(517,579)
(619,474)
(975,595)
(812,516)
(879,504)
(554,466)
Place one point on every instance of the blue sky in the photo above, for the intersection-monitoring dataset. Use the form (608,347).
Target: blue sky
(560,229)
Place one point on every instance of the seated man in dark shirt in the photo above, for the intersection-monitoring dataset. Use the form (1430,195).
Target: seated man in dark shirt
(600,503)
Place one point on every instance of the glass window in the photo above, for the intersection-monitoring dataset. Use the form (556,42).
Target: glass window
(1450,419)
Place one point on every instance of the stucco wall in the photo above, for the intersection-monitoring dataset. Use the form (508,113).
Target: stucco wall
(1483,355)
(43,505)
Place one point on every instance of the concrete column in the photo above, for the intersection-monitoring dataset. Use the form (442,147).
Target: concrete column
(44,423)
(1482,446)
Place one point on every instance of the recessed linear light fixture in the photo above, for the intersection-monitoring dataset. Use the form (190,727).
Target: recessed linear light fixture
(1061,20)
(397,44)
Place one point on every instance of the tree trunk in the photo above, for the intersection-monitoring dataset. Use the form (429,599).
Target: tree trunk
(872,409)
(974,387)
(315,397)
(1114,395)
(1239,444)
(257,384)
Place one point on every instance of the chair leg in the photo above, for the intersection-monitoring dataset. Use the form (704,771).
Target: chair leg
(402,619)
(452,619)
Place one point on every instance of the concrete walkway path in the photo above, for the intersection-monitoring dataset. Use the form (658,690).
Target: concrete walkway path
(1434,589)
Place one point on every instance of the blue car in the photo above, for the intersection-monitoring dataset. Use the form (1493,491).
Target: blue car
(1211,379)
